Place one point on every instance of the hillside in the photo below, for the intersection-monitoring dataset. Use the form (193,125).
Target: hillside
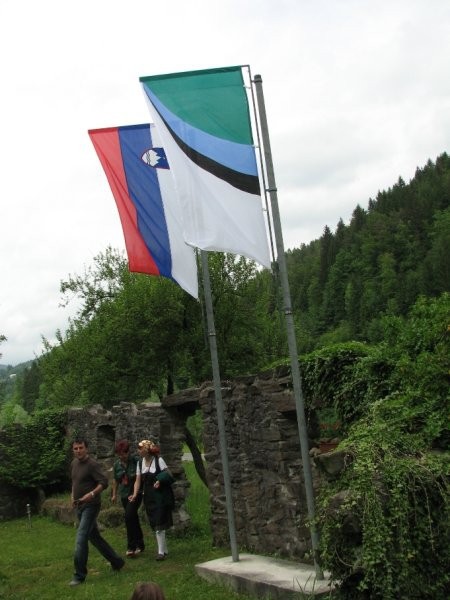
(390,253)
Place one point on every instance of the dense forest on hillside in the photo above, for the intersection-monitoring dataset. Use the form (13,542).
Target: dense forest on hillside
(136,337)
(388,255)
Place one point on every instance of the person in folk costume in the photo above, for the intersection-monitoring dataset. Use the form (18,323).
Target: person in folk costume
(124,474)
(155,479)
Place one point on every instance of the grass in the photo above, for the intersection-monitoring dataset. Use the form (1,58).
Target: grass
(37,562)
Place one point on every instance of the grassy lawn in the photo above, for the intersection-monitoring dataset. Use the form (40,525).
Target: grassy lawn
(37,562)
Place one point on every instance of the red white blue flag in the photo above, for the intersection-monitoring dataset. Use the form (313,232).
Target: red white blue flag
(138,173)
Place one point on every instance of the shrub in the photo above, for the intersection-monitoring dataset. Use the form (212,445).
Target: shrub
(34,454)
(385,521)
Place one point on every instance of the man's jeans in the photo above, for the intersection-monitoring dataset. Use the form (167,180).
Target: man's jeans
(88,532)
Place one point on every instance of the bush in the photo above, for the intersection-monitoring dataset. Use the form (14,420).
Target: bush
(385,522)
(35,454)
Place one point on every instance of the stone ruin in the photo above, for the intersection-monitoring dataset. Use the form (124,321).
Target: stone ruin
(263,448)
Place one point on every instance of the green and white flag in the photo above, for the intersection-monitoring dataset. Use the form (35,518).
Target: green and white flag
(203,120)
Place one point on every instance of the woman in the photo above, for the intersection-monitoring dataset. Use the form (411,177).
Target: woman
(156,480)
(124,477)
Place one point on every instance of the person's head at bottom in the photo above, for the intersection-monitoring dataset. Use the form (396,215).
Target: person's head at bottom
(148,590)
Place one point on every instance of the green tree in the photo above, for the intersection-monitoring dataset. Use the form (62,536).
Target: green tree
(327,254)
(29,386)
(388,280)
(245,313)
(333,306)
(137,337)
(123,343)
(2,339)
(437,260)
(2,381)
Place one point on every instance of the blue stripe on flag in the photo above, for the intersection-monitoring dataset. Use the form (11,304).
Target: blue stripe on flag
(145,193)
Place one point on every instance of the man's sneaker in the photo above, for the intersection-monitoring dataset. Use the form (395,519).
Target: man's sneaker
(75,582)
(131,552)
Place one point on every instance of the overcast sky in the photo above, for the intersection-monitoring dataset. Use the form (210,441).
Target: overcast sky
(357,94)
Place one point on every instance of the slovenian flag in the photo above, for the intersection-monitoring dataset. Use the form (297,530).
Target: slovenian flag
(204,122)
(140,179)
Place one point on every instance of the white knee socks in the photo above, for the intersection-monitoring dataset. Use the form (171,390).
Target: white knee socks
(162,543)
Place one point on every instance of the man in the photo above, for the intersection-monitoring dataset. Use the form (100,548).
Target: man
(88,482)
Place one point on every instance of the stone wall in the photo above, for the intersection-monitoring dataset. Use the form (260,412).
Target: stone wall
(265,464)
(263,453)
(103,428)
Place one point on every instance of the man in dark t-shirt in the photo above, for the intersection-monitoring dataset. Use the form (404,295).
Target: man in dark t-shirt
(88,482)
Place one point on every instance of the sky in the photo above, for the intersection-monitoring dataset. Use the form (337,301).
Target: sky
(357,94)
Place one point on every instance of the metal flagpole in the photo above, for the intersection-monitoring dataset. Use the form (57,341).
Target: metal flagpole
(292,342)
(219,403)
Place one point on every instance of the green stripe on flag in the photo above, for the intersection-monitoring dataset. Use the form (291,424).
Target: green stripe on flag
(213,100)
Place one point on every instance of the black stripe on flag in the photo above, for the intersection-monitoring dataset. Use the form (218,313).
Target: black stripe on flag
(241,181)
